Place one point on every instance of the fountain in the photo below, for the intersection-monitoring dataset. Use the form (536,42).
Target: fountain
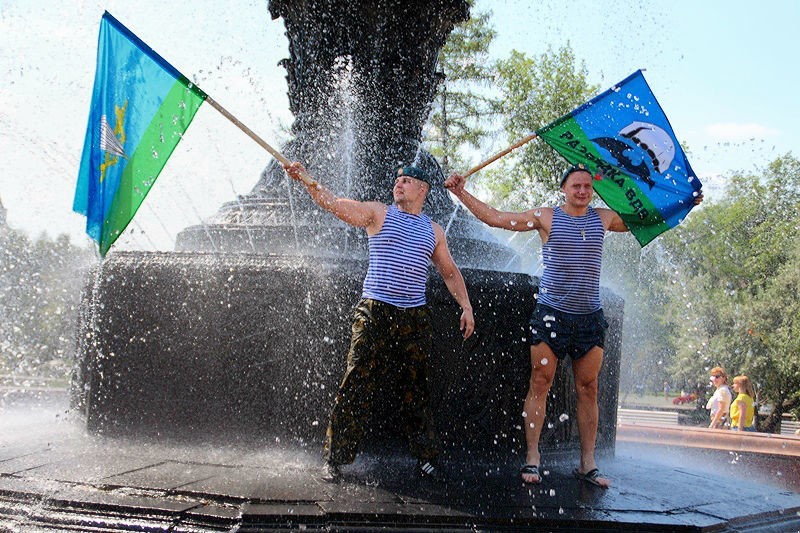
(238,337)
(242,330)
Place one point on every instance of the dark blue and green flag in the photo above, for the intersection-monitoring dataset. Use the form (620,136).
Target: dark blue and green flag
(141,106)
(625,141)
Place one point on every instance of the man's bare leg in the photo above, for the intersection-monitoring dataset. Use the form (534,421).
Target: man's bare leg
(586,370)
(543,369)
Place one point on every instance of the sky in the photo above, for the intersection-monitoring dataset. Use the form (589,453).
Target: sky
(723,71)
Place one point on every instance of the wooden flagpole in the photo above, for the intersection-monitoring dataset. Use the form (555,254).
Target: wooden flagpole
(305,176)
(498,155)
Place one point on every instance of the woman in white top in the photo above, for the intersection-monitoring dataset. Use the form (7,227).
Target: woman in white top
(720,402)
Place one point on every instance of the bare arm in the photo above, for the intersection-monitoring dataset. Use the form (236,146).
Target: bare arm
(524,221)
(452,277)
(359,214)
(611,220)
(715,422)
(742,413)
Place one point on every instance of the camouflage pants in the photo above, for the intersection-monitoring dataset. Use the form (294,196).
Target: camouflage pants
(385,339)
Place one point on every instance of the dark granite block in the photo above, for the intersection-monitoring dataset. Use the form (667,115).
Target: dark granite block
(13,451)
(165,476)
(261,485)
(371,510)
(93,498)
(90,467)
(260,512)
(350,492)
(204,517)
(22,463)
(732,507)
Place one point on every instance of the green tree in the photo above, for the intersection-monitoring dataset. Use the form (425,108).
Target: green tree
(534,92)
(643,278)
(463,107)
(738,262)
(40,285)
(773,352)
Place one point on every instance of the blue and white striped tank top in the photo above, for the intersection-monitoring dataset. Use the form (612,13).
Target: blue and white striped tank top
(572,257)
(398,259)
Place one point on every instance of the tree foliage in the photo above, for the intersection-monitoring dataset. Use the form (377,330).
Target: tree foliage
(643,277)
(534,92)
(40,283)
(739,265)
(463,107)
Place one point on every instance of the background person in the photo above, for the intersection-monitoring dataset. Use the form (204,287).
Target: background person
(743,407)
(719,403)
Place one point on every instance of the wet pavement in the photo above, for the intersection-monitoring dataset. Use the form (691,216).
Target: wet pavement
(55,475)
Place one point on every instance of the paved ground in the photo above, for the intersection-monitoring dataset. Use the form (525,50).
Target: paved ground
(52,474)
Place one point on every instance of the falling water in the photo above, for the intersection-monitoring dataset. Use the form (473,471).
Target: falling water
(344,98)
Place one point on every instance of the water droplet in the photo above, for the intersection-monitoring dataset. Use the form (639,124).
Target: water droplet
(513,222)
(552,334)
(552,492)
(563,418)
(544,361)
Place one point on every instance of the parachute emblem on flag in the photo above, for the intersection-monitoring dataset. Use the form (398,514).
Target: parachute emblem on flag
(641,148)
(108,139)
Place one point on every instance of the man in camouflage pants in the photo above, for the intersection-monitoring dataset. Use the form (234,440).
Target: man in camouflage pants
(392,330)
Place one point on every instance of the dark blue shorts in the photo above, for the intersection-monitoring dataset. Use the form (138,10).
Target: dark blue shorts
(567,334)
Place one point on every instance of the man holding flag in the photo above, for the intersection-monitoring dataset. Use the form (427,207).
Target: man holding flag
(568,319)
(392,330)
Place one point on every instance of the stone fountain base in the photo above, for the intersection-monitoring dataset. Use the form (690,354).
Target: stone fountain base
(239,346)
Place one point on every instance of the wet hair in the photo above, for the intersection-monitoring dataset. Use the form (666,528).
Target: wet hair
(721,371)
(746,386)
(570,170)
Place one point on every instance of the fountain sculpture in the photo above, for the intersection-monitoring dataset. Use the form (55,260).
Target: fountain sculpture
(242,331)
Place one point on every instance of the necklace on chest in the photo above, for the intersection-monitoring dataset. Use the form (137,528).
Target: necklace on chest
(580,227)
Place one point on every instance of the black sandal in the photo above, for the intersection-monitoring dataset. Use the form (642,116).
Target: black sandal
(531,470)
(590,477)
